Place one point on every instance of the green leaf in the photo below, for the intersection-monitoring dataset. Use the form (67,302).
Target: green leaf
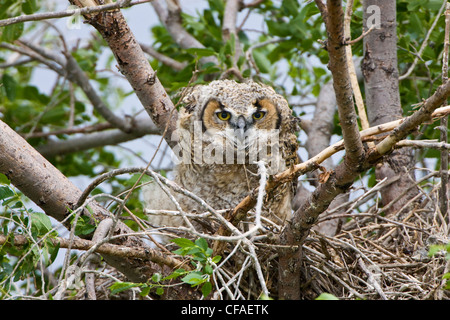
(216,259)
(201,52)
(40,222)
(4,179)
(261,61)
(202,243)
(12,32)
(145,291)
(193,278)
(156,277)
(10,86)
(206,289)
(5,192)
(435,249)
(29,6)
(208,269)
(183,242)
(175,274)
(326,296)
(122,286)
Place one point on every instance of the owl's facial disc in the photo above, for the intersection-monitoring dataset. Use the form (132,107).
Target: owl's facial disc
(241,123)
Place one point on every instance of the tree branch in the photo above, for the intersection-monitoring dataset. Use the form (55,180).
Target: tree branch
(170,17)
(174,64)
(229,26)
(70,12)
(135,67)
(104,248)
(141,128)
(342,84)
(69,68)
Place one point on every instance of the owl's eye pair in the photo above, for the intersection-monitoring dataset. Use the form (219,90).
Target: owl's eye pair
(258,115)
(223,115)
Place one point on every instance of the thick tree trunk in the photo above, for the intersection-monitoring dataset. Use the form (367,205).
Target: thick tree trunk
(382,95)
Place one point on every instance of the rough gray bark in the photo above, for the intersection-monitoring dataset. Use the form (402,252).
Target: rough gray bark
(380,71)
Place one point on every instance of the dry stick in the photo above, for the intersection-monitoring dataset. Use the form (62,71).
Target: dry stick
(371,279)
(427,144)
(100,233)
(174,64)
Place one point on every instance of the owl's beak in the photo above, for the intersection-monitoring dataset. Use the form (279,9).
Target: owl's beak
(241,127)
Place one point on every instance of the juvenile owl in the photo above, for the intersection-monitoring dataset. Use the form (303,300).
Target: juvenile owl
(223,129)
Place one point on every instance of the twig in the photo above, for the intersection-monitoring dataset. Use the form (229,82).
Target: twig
(365,33)
(163,58)
(100,233)
(249,52)
(261,192)
(372,279)
(427,144)
(70,12)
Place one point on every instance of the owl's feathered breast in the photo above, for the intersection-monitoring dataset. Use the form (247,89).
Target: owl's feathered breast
(228,183)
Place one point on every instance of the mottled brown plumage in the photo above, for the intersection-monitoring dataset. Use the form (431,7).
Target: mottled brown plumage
(245,122)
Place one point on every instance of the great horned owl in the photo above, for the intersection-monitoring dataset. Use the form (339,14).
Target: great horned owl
(223,128)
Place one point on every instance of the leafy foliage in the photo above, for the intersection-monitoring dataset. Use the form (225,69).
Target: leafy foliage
(200,257)
(19,262)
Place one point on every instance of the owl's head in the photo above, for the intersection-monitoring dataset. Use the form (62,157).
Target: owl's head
(237,116)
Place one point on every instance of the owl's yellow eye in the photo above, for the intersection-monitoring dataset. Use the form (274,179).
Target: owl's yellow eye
(258,115)
(223,115)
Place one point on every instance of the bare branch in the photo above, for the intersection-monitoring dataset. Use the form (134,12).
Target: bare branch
(170,17)
(229,25)
(342,83)
(70,12)
(141,128)
(135,67)
(46,186)
(70,69)
(174,64)
(104,248)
